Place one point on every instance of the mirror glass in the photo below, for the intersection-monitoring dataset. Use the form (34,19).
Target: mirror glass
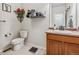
(71,17)
(63,14)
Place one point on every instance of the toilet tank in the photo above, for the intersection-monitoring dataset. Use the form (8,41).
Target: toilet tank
(23,34)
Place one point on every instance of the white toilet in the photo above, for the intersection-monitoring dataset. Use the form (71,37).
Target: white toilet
(18,43)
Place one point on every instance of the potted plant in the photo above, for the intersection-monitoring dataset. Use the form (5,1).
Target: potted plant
(20,14)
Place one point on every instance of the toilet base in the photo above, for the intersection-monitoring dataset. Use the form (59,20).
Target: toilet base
(18,46)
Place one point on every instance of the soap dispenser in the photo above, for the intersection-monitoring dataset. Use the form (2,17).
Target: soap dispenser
(78,28)
(54,27)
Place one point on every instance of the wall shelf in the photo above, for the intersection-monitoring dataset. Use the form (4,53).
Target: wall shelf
(37,17)
(34,14)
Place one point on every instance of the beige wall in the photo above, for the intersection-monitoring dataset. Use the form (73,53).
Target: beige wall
(12,25)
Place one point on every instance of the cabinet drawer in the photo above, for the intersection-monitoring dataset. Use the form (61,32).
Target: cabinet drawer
(63,38)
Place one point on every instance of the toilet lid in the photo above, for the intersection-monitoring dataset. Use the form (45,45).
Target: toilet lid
(17,40)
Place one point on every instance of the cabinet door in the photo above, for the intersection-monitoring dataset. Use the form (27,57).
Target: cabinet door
(71,49)
(54,47)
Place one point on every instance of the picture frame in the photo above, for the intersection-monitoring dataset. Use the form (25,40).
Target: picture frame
(3,7)
(6,7)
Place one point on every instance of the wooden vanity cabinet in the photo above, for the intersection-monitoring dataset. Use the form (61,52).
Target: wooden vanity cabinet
(62,44)
(71,49)
(54,47)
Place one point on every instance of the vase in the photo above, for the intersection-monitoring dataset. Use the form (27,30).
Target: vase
(20,19)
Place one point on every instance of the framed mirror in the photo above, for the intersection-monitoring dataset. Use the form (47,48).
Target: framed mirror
(63,14)
(57,14)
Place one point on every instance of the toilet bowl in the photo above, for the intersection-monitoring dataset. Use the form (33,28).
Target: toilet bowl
(18,43)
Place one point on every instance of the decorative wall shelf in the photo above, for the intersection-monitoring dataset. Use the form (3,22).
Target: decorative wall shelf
(34,14)
(37,17)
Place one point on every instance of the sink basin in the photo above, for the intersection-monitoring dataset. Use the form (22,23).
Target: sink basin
(75,33)
(62,32)
(65,32)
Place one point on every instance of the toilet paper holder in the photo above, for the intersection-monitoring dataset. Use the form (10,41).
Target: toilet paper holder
(2,21)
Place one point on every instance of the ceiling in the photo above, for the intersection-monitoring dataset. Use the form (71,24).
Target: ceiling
(35,5)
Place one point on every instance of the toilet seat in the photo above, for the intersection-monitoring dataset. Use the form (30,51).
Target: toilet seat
(18,43)
(17,40)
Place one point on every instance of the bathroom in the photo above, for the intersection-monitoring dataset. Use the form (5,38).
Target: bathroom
(37,27)
(11,27)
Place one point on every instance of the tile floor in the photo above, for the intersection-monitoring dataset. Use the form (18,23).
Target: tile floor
(25,51)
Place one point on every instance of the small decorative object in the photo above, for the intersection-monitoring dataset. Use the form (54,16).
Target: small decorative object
(6,7)
(61,27)
(54,27)
(20,14)
(70,22)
